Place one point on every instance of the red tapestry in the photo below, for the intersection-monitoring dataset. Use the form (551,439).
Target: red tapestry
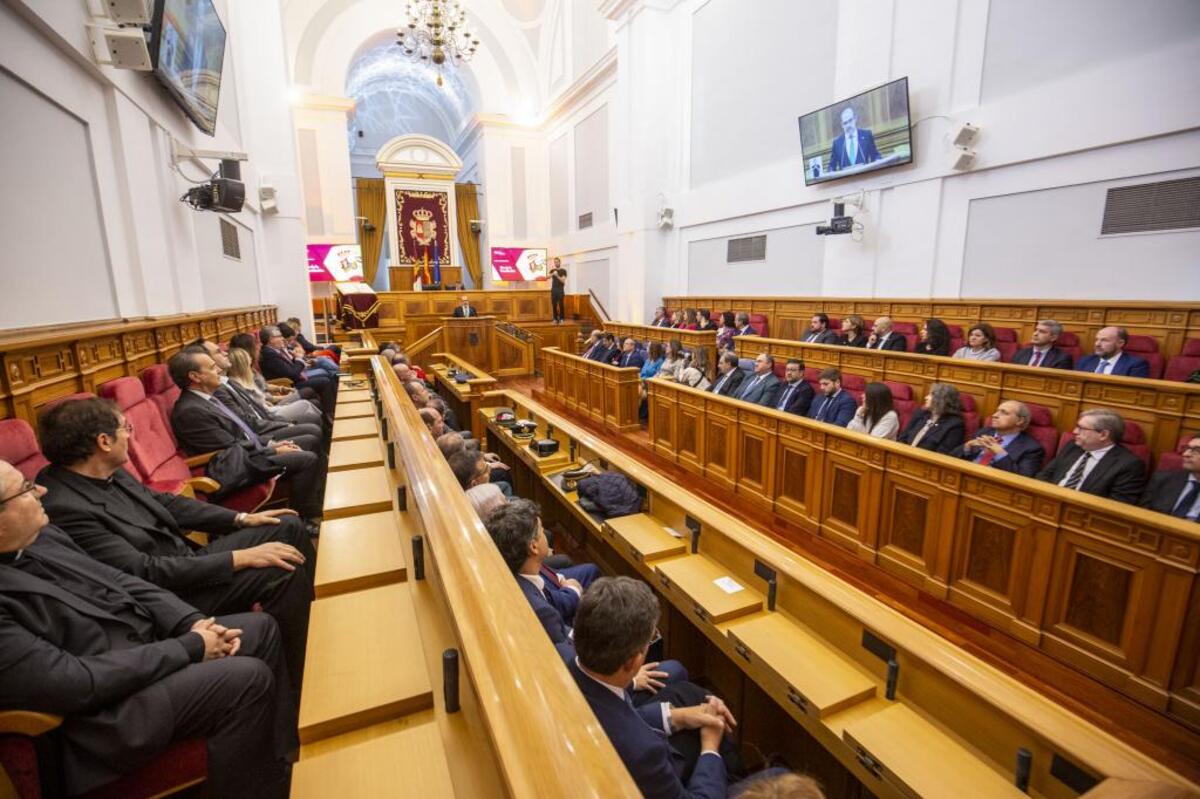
(422,221)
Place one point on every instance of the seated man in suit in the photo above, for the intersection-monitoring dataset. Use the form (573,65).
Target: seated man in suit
(855,146)
(1041,351)
(593,341)
(317,364)
(660,318)
(1095,462)
(729,376)
(614,628)
(262,558)
(834,406)
(130,666)
(277,361)
(883,337)
(203,424)
(605,350)
(1177,491)
(796,395)
(1005,444)
(283,402)
(1110,358)
(630,355)
(742,325)
(464,309)
(472,467)
(819,332)
(762,387)
(310,348)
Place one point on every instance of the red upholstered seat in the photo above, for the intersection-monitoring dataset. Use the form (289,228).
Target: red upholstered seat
(1146,347)
(1191,347)
(151,449)
(970,414)
(780,368)
(956,343)
(758,321)
(1173,459)
(1005,334)
(1181,367)
(905,328)
(905,410)
(956,331)
(900,391)
(835,323)
(1007,350)
(60,400)
(1041,427)
(1134,441)
(911,340)
(812,374)
(161,391)
(19,446)
(854,383)
(1067,339)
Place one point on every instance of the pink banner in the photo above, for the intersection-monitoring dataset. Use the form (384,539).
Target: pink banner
(519,263)
(340,263)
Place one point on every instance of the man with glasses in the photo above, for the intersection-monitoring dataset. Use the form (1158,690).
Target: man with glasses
(276,362)
(1095,462)
(254,558)
(1177,491)
(130,666)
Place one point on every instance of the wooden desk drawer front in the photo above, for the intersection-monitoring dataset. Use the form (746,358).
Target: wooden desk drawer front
(690,579)
(644,538)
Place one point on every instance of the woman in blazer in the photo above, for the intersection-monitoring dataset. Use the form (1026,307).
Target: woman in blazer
(935,338)
(938,426)
(876,417)
(854,332)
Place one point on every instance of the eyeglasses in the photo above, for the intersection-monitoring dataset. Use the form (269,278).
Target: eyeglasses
(26,487)
(127,427)
(1088,429)
(1192,449)
(655,638)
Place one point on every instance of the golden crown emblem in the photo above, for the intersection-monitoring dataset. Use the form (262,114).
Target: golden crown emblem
(422,214)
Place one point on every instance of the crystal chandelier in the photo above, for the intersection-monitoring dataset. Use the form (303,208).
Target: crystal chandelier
(437,32)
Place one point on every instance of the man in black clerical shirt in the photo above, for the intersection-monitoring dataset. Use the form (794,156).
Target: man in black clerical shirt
(131,667)
(255,558)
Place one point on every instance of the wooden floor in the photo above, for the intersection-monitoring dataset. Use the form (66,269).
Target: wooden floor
(1151,732)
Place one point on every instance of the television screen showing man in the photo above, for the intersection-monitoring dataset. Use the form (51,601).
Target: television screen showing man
(860,134)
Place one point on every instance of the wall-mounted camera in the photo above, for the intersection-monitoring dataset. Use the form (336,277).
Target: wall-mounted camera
(839,224)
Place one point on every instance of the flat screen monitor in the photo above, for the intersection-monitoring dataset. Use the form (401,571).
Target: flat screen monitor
(341,263)
(188,48)
(866,132)
(519,263)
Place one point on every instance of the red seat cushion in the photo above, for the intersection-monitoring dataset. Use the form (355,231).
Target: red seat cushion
(1067,339)
(967,401)
(854,383)
(956,331)
(900,391)
(1047,437)
(1191,347)
(151,448)
(1155,360)
(161,391)
(780,369)
(19,446)
(1007,350)
(183,763)
(1006,334)
(1039,415)
(1181,367)
(1141,344)
(758,321)
(905,328)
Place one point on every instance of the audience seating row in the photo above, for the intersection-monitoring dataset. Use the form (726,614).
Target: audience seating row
(1166,326)
(955,723)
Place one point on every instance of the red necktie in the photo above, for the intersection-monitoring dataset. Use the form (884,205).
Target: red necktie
(1037,359)
(988,455)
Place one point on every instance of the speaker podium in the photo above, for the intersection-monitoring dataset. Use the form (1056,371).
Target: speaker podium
(470,338)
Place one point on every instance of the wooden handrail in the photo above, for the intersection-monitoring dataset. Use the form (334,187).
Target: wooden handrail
(603,315)
(1010,702)
(545,737)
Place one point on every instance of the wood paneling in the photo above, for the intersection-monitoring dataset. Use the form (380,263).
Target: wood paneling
(1098,584)
(608,395)
(42,364)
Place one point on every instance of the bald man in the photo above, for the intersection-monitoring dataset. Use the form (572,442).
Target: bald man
(1004,444)
(1109,356)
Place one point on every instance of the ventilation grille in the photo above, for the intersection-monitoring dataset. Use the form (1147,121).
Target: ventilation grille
(751,248)
(585,220)
(1169,205)
(229,240)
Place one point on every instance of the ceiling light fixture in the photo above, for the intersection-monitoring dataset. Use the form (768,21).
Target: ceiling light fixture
(437,32)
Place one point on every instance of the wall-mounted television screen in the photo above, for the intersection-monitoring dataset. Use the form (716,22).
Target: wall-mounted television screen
(519,263)
(188,48)
(866,132)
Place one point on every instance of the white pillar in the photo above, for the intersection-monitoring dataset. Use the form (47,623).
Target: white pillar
(324,155)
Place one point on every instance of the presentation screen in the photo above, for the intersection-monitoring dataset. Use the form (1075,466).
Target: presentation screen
(338,262)
(869,131)
(519,263)
(188,47)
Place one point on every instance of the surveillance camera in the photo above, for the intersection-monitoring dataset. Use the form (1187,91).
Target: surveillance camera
(476,226)
(839,224)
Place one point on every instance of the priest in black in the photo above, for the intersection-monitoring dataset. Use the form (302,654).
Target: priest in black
(261,559)
(130,666)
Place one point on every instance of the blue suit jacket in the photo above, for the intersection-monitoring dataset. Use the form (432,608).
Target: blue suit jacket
(552,621)
(765,392)
(634,359)
(1127,365)
(656,767)
(1025,454)
(841,408)
(867,152)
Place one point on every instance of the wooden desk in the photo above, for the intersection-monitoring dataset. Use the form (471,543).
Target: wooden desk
(608,395)
(697,581)
(364,663)
(360,552)
(409,761)
(354,395)
(464,398)
(355,453)
(363,427)
(355,492)
(646,538)
(353,410)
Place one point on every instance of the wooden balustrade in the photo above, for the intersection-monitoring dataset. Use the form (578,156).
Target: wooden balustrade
(1171,323)
(691,340)
(1105,587)
(404,308)
(608,395)
(42,364)
(957,722)
(1164,410)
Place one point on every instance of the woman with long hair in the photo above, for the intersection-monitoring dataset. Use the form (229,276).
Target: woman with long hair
(690,320)
(935,338)
(854,331)
(673,360)
(695,372)
(877,416)
(981,344)
(938,426)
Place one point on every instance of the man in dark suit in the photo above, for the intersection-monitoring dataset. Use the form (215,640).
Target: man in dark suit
(464,308)
(630,355)
(762,387)
(819,332)
(308,346)
(203,424)
(605,350)
(855,146)
(277,362)
(883,337)
(660,318)
(131,667)
(1005,444)
(834,406)
(729,376)
(1177,491)
(742,326)
(614,628)
(1110,358)
(1095,462)
(262,558)
(1041,352)
(796,395)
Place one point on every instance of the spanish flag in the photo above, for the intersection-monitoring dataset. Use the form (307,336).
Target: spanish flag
(425,266)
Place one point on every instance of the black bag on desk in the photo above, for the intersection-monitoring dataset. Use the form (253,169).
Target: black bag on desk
(236,468)
(610,494)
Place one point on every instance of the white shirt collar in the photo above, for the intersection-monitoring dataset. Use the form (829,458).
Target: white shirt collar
(620,692)
(538,581)
(201,394)
(1097,454)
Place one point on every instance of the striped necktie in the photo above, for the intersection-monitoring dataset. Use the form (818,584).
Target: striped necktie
(1076,475)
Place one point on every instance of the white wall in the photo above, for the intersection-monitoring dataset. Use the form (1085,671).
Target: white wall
(153,256)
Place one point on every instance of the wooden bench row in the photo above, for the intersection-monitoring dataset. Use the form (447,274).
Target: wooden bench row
(608,395)
(1171,323)
(954,725)
(374,714)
